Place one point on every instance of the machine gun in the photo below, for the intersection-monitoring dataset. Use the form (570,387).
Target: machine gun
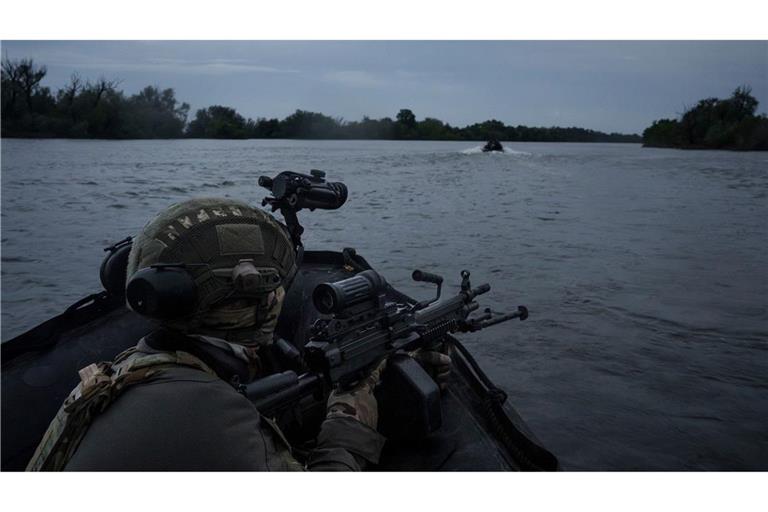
(358,328)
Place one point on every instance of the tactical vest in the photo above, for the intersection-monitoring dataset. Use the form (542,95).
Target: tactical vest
(100,385)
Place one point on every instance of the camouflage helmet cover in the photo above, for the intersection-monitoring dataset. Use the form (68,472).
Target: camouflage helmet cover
(214,235)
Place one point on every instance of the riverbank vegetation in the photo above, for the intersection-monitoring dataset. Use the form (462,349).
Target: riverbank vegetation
(714,124)
(99,110)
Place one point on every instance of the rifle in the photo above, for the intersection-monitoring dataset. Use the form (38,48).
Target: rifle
(358,328)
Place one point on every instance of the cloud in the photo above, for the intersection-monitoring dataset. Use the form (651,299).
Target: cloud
(216,66)
(399,79)
(212,66)
(353,78)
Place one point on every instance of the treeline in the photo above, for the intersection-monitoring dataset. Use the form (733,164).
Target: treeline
(714,124)
(223,122)
(85,109)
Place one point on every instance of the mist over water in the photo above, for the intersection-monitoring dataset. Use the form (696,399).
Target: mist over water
(644,269)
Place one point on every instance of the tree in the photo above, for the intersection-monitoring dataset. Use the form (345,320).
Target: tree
(406,118)
(264,128)
(153,113)
(663,133)
(25,103)
(10,87)
(218,122)
(67,94)
(22,79)
(101,87)
(29,76)
(713,123)
(311,125)
(744,104)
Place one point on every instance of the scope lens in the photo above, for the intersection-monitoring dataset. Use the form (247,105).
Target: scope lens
(324,298)
(337,297)
(341,192)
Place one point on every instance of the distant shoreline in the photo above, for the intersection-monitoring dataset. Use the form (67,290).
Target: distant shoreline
(730,124)
(479,141)
(704,148)
(99,110)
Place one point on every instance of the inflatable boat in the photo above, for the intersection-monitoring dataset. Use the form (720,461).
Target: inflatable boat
(493,145)
(480,430)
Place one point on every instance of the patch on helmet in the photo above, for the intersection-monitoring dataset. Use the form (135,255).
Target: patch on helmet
(171,232)
(239,239)
(185,221)
(202,216)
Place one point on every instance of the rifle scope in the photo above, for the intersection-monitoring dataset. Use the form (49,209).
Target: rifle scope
(306,190)
(337,297)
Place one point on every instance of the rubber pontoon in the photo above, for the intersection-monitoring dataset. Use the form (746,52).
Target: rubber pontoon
(479,432)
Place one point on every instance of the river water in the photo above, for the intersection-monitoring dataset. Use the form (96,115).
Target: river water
(644,269)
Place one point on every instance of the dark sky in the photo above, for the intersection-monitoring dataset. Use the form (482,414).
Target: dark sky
(603,85)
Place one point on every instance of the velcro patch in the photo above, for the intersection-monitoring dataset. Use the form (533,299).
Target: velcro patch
(239,239)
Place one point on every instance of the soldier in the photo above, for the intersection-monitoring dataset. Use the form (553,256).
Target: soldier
(213,274)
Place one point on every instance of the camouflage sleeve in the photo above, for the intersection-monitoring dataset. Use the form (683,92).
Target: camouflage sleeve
(345,444)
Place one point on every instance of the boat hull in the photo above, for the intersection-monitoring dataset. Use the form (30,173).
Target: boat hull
(39,368)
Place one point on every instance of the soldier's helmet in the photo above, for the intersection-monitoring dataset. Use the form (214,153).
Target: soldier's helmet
(214,267)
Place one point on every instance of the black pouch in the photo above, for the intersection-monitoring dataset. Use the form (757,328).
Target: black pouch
(408,399)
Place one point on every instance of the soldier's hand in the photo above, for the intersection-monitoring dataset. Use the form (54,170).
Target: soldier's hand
(436,363)
(358,402)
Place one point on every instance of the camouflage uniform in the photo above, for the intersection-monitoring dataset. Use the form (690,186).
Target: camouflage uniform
(186,417)
(171,403)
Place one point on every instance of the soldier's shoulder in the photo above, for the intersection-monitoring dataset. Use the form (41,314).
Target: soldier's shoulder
(162,422)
